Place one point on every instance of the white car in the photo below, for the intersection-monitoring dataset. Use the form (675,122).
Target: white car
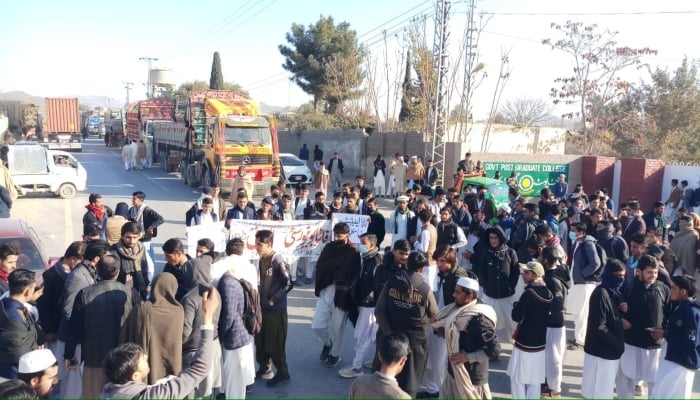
(295,169)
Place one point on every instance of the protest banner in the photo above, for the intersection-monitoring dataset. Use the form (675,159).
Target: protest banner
(358,224)
(291,238)
(216,233)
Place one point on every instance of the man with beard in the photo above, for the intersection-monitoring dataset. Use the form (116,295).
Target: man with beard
(448,232)
(684,245)
(526,367)
(406,304)
(338,266)
(498,274)
(677,369)
(469,328)
(481,203)
(558,281)
(399,220)
(604,343)
(39,370)
(366,325)
(448,275)
(131,254)
(377,223)
(654,219)
(242,180)
(647,304)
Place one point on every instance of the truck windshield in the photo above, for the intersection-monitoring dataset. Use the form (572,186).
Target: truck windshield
(248,135)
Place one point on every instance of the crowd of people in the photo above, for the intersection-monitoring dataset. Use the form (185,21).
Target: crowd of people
(459,276)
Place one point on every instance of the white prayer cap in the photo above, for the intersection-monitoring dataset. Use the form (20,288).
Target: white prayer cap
(36,361)
(402,198)
(468,283)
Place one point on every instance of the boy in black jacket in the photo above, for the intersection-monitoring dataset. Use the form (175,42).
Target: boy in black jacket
(604,342)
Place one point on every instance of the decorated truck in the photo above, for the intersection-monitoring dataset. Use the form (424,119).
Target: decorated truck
(141,114)
(222,130)
(61,126)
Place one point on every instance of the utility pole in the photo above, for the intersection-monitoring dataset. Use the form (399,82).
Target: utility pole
(127,86)
(148,60)
(440,66)
(469,51)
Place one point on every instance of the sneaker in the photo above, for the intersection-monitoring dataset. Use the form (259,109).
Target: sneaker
(638,390)
(350,372)
(574,346)
(325,352)
(278,380)
(369,364)
(307,281)
(264,373)
(331,361)
(554,395)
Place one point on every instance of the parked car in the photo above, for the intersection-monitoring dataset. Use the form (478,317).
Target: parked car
(24,238)
(295,169)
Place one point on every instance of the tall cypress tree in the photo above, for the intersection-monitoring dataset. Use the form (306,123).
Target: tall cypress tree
(217,76)
(407,93)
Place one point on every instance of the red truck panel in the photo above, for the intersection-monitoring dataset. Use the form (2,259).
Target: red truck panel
(62,115)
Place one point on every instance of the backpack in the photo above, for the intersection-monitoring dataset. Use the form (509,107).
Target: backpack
(252,314)
(602,256)
(190,214)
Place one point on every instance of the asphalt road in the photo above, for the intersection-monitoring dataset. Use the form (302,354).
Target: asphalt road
(59,222)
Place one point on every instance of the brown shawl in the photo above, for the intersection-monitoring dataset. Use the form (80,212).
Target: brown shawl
(157,326)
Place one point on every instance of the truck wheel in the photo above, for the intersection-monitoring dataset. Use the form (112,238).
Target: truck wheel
(66,191)
(206,177)
(183,171)
(192,178)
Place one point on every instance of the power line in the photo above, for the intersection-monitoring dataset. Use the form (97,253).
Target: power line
(533,14)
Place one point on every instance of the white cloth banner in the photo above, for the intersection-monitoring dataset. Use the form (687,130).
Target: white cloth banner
(215,232)
(358,224)
(301,238)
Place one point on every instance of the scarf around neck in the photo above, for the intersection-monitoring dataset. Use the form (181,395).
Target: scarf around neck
(99,212)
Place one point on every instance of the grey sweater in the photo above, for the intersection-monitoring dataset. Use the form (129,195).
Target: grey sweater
(175,388)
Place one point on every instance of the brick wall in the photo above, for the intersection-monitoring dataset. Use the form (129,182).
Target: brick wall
(597,173)
(641,178)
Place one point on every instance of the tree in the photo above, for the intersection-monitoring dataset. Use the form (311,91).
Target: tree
(595,83)
(216,81)
(408,94)
(317,55)
(526,111)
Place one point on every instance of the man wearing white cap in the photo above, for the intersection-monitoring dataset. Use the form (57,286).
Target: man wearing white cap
(39,370)
(526,367)
(397,223)
(469,327)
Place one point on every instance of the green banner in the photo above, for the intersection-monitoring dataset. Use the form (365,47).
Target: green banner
(532,177)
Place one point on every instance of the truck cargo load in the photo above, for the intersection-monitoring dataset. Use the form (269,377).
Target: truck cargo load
(222,131)
(62,124)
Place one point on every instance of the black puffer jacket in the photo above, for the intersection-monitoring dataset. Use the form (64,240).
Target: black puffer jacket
(498,270)
(558,281)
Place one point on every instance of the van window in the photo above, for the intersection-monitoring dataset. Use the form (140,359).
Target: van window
(29,160)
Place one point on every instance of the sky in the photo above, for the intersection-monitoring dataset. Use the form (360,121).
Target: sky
(78,47)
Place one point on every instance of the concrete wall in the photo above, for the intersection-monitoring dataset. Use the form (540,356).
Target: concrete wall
(508,139)
(690,173)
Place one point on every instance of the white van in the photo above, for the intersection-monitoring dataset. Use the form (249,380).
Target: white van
(33,168)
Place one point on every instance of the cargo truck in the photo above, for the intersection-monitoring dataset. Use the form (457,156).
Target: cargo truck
(61,129)
(222,131)
(142,113)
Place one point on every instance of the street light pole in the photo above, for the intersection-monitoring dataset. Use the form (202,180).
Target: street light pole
(148,60)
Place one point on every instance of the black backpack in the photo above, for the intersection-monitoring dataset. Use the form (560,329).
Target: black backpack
(252,314)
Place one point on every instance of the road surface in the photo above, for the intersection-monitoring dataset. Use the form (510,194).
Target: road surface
(59,222)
